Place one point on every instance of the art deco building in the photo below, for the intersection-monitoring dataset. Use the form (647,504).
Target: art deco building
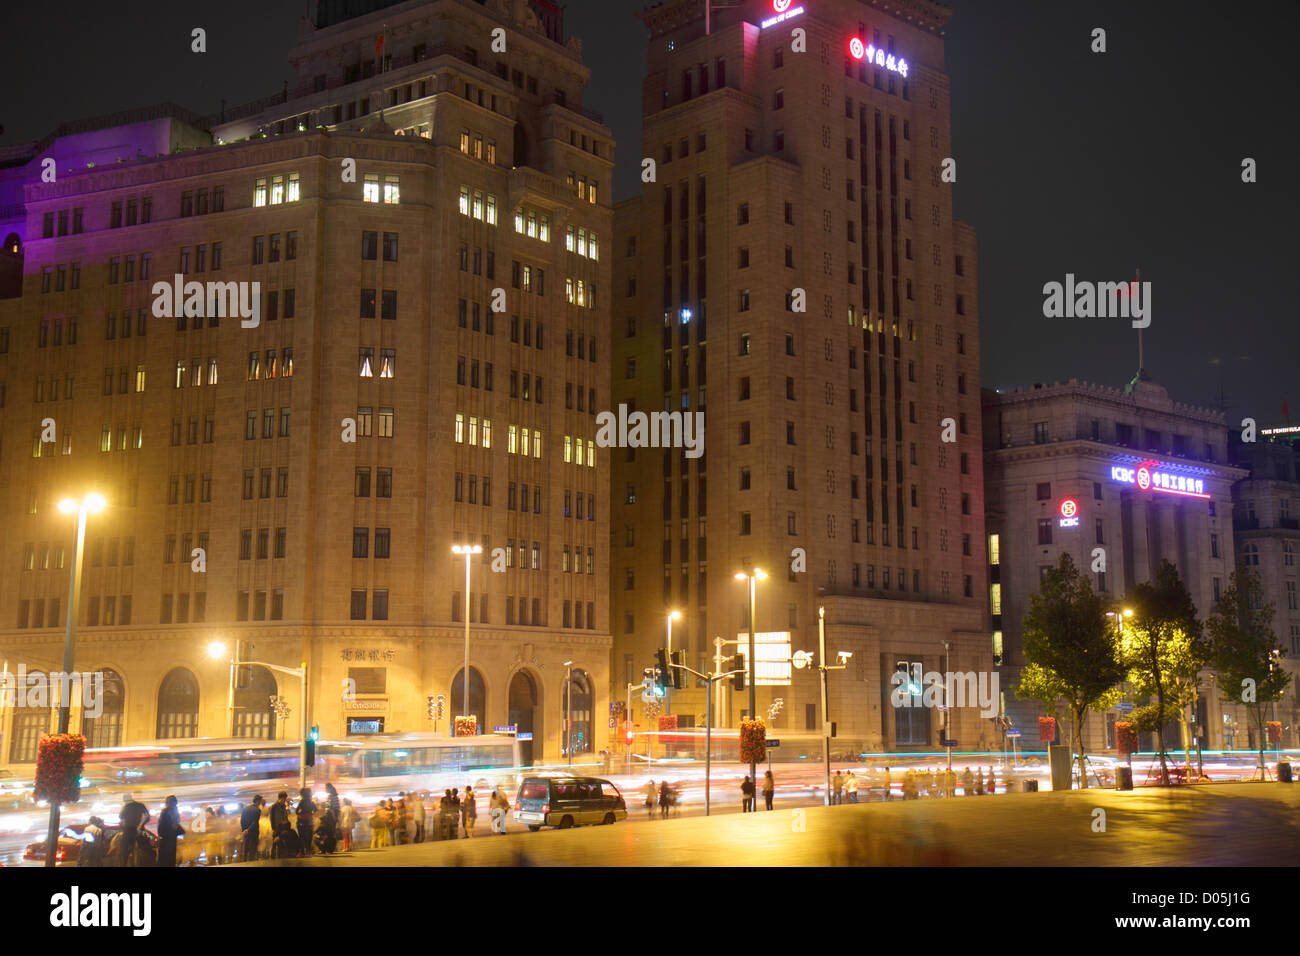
(794,272)
(1266,523)
(1125,475)
(431,346)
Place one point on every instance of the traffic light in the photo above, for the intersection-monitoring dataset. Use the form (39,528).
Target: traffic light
(661,662)
(433,706)
(737,663)
(675,670)
(441,707)
(311,746)
(628,735)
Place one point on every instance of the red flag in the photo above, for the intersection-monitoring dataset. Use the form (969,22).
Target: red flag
(379,44)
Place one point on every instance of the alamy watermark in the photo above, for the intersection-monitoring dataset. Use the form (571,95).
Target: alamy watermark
(1101,300)
(202,299)
(655,430)
(41,691)
(954,689)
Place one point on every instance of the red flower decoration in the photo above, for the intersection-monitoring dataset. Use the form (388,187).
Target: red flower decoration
(1047,728)
(753,741)
(58,768)
(1274,728)
(1126,738)
(467,726)
(668,722)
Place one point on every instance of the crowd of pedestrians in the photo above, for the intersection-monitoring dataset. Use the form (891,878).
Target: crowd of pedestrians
(915,784)
(283,829)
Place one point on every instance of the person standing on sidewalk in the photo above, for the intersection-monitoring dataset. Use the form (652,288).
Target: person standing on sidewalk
(851,785)
(746,795)
(497,807)
(837,788)
(469,810)
(992,783)
(417,814)
(769,789)
(347,823)
(651,798)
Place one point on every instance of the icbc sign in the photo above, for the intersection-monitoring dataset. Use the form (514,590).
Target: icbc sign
(1069,513)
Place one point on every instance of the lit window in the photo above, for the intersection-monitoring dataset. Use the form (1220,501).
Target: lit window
(591,247)
(460,428)
(473,430)
(464,141)
(259,193)
(537,444)
(464,200)
(295,188)
(532,225)
(492,210)
(477,211)
(568,239)
(995,599)
(370,189)
(568,449)
(387,360)
(523,442)
(392,194)
(591,453)
(512,435)
(582,242)
(519,221)
(568,291)
(545,231)
(487,437)
(994,551)
(277,190)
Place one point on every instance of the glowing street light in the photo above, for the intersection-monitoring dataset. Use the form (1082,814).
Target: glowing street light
(757,574)
(468,550)
(93,503)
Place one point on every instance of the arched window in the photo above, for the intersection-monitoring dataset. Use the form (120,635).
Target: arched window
(477,698)
(28,722)
(1251,554)
(578,704)
(253,714)
(178,705)
(13,244)
(105,730)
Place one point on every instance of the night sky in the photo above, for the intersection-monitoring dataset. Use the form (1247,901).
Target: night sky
(1067,161)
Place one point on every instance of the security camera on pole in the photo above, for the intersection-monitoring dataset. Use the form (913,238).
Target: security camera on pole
(801,660)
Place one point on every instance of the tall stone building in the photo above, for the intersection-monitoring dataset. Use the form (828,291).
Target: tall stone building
(1120,479)
(421,224)
(793,271)
(1266,525)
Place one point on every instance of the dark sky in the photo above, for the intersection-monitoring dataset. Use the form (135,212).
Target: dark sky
(1067,161)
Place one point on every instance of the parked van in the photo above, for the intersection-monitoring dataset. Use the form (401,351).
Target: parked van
(565,802)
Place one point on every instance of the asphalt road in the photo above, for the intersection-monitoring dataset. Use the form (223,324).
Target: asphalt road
(1218,825)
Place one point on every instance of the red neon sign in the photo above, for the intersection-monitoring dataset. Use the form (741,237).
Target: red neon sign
(1069,508)
(857,49)
(780,6)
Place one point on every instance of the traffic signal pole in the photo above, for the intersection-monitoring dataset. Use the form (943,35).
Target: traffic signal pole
(709,678)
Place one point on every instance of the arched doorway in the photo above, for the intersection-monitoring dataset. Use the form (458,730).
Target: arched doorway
(13,244)
(254,716)
(106,729)
(578,704)
(477,699)
(525,713)
(29,723)
(178,705)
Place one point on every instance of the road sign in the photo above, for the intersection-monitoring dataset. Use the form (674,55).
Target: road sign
(526,735)
(772,744)
(504,729)
(947,743)
(1013,733)
(613,723)
(1124,706)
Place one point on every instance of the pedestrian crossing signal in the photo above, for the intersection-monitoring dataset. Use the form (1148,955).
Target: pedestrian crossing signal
(737,663)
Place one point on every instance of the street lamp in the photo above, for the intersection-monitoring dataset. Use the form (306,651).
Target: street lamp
(217,650)
(568,709)
(91,504)
(469,550)
(801,660)
(757,574)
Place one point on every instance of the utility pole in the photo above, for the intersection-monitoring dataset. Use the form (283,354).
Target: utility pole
(711,678)
(801,660)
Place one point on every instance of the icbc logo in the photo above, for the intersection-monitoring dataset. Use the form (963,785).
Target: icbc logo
(1069,508)
(780,6)
(1144,477)
(857,49)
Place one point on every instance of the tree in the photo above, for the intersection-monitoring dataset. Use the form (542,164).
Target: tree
(1164,650)
(1072,650)
(1244,650)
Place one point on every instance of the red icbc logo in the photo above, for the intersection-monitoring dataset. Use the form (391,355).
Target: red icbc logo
(1144,477)
(1069,508)
(856,48)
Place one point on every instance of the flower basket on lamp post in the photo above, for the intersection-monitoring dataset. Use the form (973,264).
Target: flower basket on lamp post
(467,726)
(58,768)
(1126,740)
(1047,729)
(753,741)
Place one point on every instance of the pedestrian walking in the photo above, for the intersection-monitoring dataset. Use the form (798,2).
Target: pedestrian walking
(992,783)
(851,787)
(332,801)
(417,815)
(950,782)
(837,788)
(889,785)
(664,791)
(94,846)
(169,829)
(129,847)
(379,827)
(306,820)
(347,823)
(651,797)
(769,789)
(469,811)
(498,805)
(400,821)
(967,783)
(747,795)
(250,822)
(979,781)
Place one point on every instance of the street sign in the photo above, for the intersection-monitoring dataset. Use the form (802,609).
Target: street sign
(526,735)
(772,744)
(504,729)
(613,723)
(947,743)
(1124,706)
(1013,733)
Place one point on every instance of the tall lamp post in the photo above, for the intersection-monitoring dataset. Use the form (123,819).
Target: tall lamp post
(801,660)
(757,574)
(568,709)
(217,650)
(469,550)
(91,504)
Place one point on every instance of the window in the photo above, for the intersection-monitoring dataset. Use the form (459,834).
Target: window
(1044,490)
(1044,530)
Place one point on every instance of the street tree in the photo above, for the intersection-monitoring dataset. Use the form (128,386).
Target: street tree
(1072,651)
(1244,651)
(1164,650)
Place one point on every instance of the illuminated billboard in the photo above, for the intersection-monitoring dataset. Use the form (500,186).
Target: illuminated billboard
(1153,476)
(772,667)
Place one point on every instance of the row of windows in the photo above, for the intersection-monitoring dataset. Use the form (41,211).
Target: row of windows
(78,220)
(590,403)
(260,366)
(366,367)
(264,543)
(477,204)
(523,498)
(360,543)
(366,421)
(534,225)
(582,188)
(264,485)
(573,451)
(191,371)
(191,431)
(474,481)
(577,615)
(195,202)
(59,276)
(473,379)
(577,239)
(258,609)
(268,423)
(279,189)
(383,483)
(42,556)
(111,326)
(579,292)
(265,249)
(370,246)
(684,147)
(586,506)
(38,613)
(517,441)
(473,144)
(186,545)
(388,310)
(203,483)
(575,565)
(527,278)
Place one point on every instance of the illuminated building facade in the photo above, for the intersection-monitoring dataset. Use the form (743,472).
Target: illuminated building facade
(794,272)
(426,223)
(1119,479)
